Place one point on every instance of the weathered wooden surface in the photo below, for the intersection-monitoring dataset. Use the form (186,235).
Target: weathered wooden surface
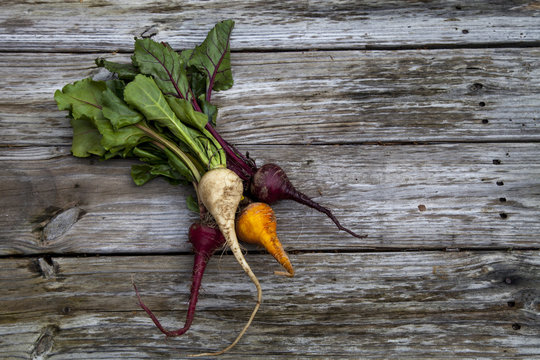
(80,26)
(416,121)
(406,196)
(469,305)
(319,97)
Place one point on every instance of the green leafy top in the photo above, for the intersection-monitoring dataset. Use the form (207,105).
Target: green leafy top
(157,110)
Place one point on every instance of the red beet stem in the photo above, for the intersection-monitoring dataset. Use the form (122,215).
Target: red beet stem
(236,161)
(270,184)
(205,240)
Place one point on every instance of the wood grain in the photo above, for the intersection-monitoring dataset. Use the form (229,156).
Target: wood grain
(415,121)
(96,25)
(318,97)
(408,305)
(414,196)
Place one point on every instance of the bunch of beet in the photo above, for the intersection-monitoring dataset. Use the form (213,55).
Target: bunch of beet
(158,109)
(255,224)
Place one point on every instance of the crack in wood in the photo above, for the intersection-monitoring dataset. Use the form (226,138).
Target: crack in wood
(149,31)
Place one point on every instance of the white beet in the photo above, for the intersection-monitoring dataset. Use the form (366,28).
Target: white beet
(220,190)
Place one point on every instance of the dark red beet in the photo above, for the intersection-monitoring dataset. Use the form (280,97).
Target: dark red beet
(205,240)
(270,184)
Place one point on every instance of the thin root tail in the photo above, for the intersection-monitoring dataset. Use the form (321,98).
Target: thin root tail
(305,200)
(255,309)
(284,273)
(153,317)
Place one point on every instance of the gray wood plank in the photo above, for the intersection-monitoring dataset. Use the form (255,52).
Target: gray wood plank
(483,195)
(321,87)
(318,97)
(94,25)
(419,305)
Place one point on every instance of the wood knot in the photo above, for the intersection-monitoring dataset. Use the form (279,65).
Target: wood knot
(45,266)
(59,223)
(44,343)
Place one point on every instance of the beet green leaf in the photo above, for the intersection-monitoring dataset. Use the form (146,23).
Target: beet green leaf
(124,71)
(164,64)
(213,58)
(86,138)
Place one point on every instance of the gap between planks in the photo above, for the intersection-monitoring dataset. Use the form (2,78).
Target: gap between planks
(406,47)
(358,143)
(47,256)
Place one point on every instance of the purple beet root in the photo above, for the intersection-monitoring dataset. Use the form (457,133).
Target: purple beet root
(270,184)
(205,240)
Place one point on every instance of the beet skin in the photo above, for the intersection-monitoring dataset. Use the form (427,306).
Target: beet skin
(270,184)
